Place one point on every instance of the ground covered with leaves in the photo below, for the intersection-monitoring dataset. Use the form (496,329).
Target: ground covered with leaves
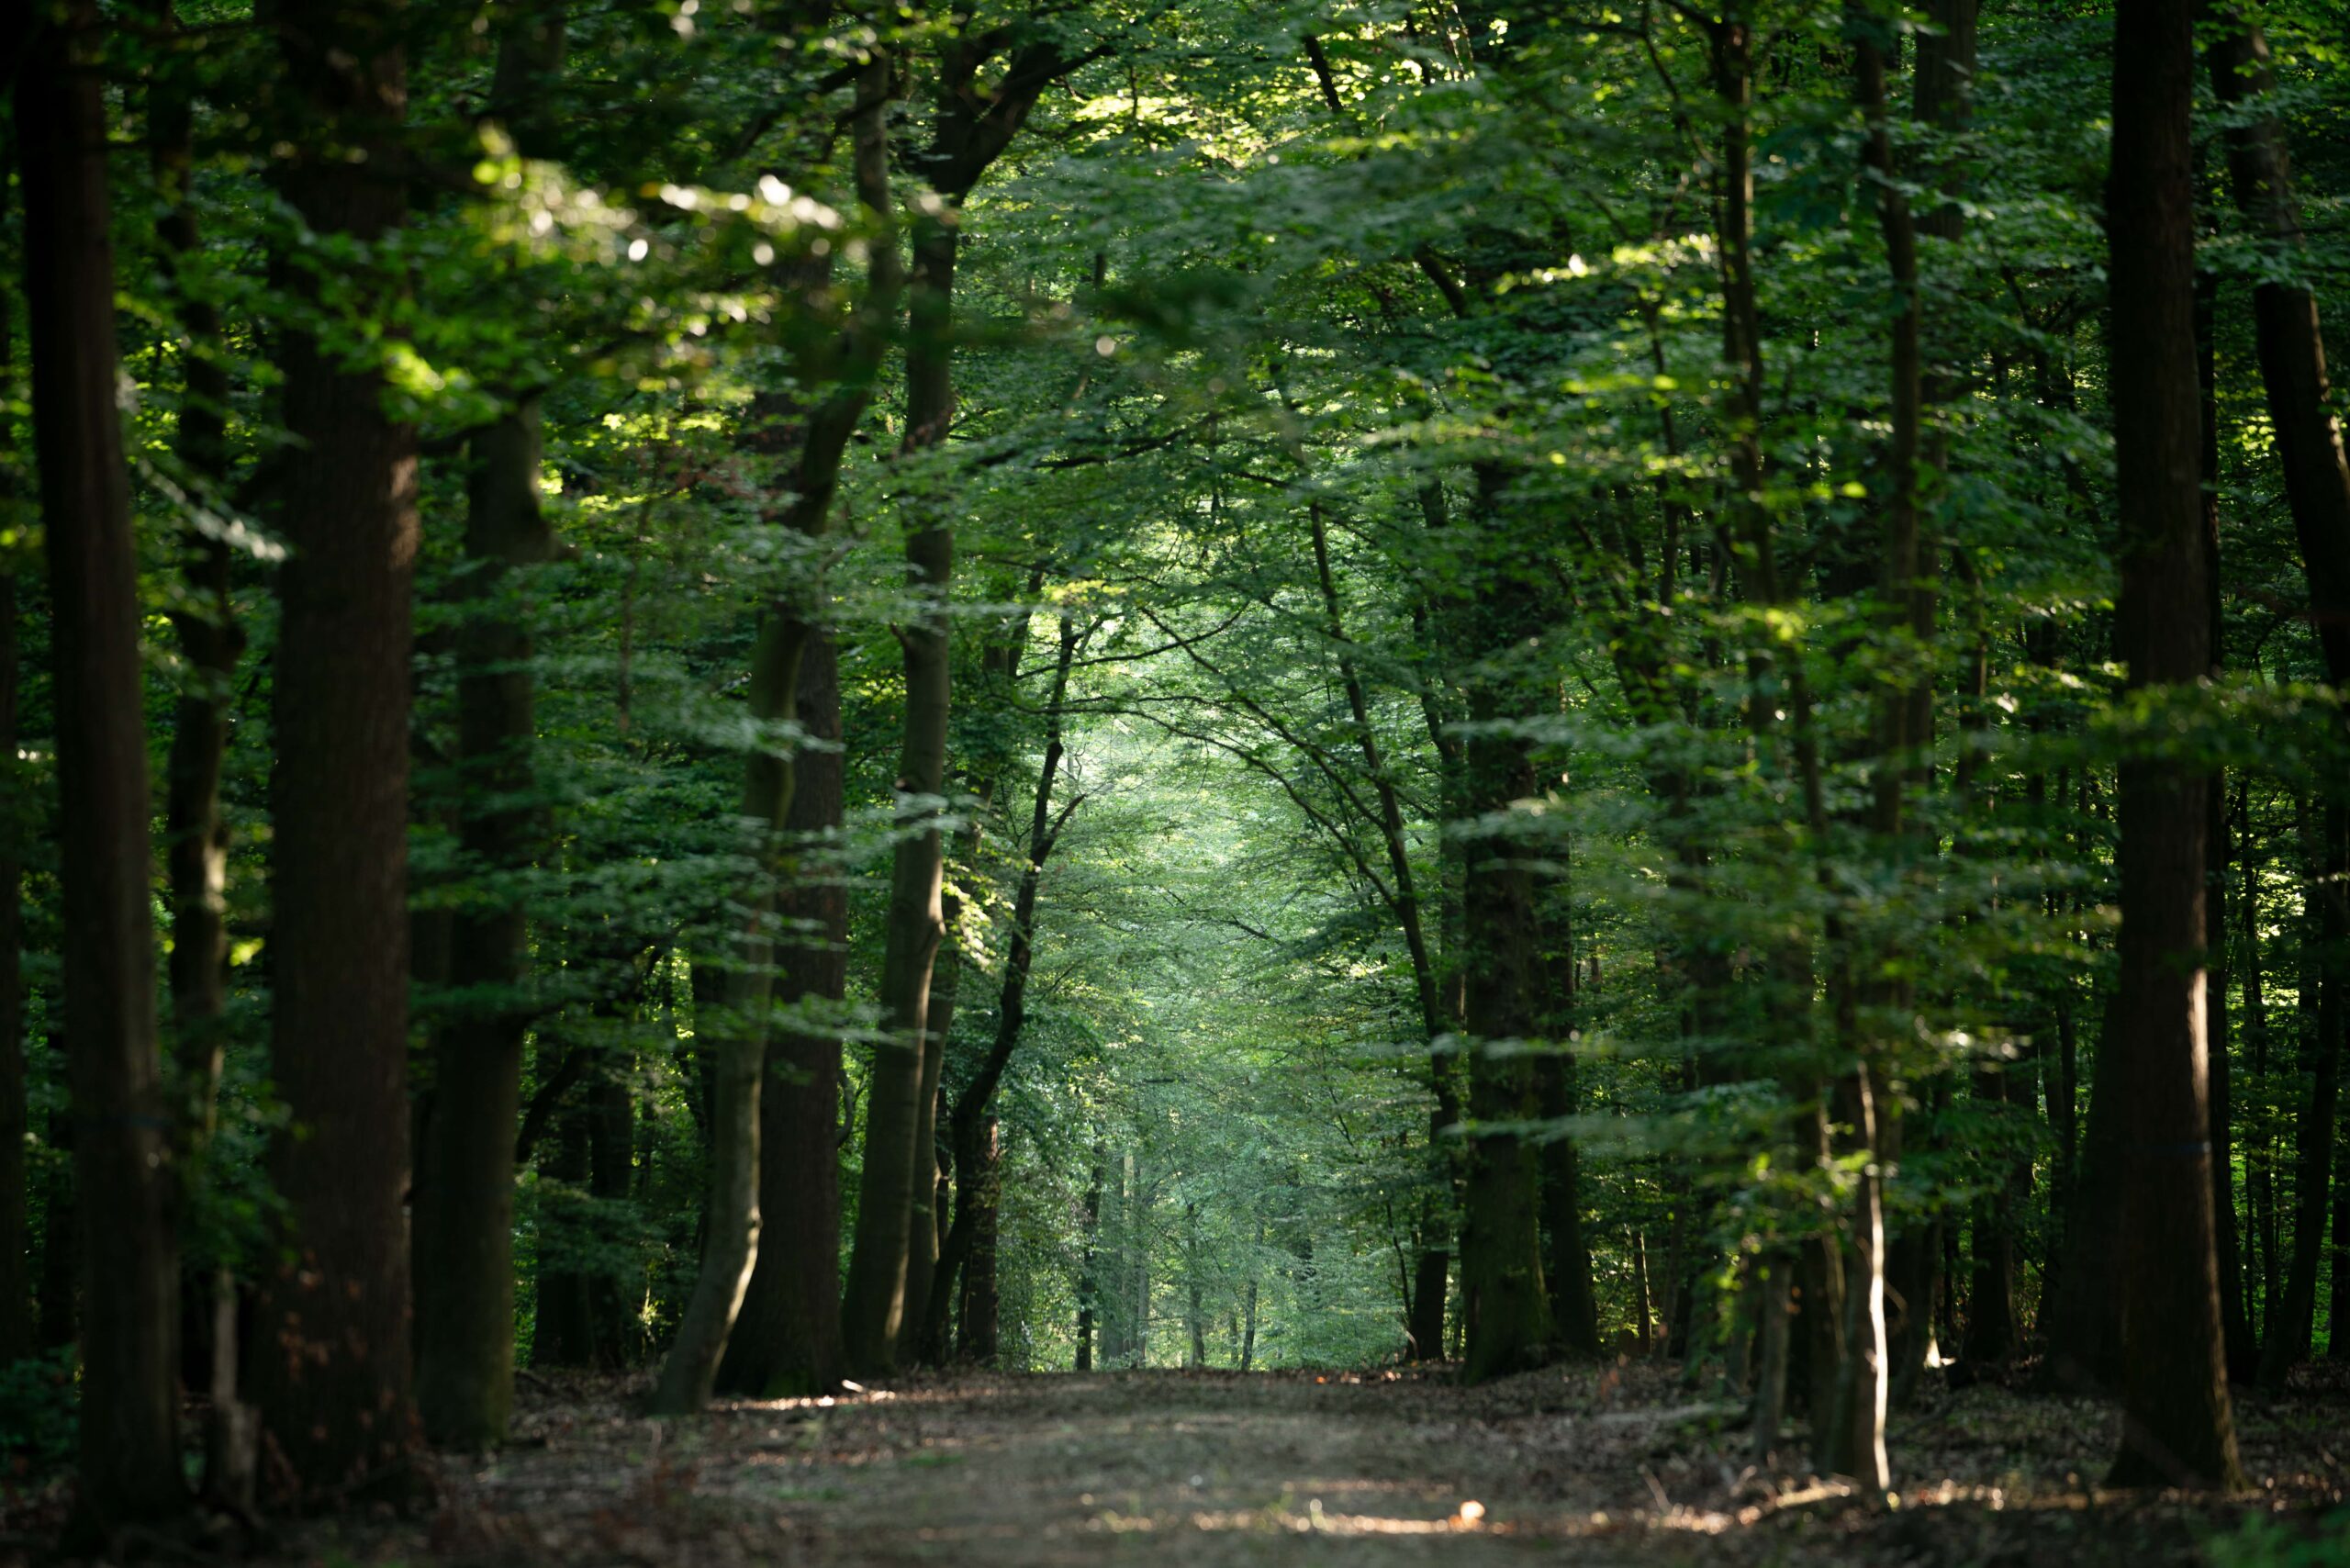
(1620,1465)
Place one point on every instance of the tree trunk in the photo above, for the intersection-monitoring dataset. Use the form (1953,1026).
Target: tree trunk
(2292,1320)
(787,1343)
(981,1187)
(464,1203)
(1504,1296)
(2177,1426)
(1994,1331)
(1430,1272)
(128,1450)
(2084,1319)
(613,1328)
(563,1331)
(899,1175)
(1089,1276)
(332,1385)
(1566,1260)
(1775,1306)
(735,1056)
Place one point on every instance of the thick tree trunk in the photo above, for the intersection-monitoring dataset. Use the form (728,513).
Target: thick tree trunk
(899,1171)
(2292,1319)
(730,1236)
(873,1308)
(981,1187)
(1504,1296)
(931,1190)
(1566,1258)
(128,1450)
(787,1343)
(331,1381)
(464,1205)
(735,1054)
(2084,1321)
(2177,1423)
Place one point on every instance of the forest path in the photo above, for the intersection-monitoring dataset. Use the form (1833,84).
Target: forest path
(1596,1467)
(1155,1467)
(1150,1468)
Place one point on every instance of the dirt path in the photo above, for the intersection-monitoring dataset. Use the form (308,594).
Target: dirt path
(1117,1468)
(1602,1467)
(1166,1469)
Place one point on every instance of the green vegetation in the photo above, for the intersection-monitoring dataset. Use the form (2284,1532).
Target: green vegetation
(781,694)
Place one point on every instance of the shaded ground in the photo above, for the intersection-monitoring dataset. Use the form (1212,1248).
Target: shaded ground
(1599,1467)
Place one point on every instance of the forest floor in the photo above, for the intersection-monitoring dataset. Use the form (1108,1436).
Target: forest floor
(1599,1467)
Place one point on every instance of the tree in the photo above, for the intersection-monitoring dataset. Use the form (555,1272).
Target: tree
(332,1378)
(786,1341)
(129,1444)
(2176,1422)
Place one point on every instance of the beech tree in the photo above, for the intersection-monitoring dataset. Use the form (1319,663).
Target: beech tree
(129,1275)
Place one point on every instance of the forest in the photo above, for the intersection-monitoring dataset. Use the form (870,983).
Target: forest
(1032,780)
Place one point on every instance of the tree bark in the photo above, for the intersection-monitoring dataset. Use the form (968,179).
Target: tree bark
(128,1450)
(787,1343)
(1566,1258)
(1089,1276)
(465,1201)
(691,1369)
(899,1175)
(331,1381)
(981,1187)
(735,1042)
(2177,1426)
(1504,1296)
